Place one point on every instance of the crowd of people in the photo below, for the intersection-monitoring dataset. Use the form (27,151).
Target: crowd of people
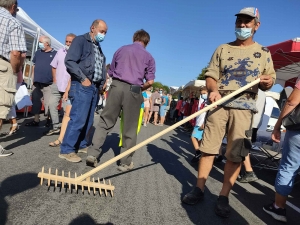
(77,75)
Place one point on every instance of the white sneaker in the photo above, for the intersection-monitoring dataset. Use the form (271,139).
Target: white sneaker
(4,152)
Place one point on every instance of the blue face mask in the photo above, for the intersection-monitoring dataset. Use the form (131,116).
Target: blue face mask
(41,46)
(204,96)
(99,37)
(243,33)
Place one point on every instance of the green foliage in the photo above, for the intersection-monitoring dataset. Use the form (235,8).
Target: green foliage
(160,85)
(201,75)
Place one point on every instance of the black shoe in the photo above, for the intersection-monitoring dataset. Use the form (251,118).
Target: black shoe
(247,177)
(196,157)
(222,207)
(219,159)
(193,197)
(48,123)
(50,132)
(277,214)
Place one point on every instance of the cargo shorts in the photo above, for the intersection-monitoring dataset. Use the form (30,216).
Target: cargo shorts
(236,123)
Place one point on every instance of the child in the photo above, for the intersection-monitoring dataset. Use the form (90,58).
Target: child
(199,125)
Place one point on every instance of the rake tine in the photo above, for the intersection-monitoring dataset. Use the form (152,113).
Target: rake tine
(62,183)
(105,191)
(100,192)
(75,182)
(69,181)
(111,191)
(42,175)
(49,178)
(94,186)
(88,179)
(56,172)
(82,187)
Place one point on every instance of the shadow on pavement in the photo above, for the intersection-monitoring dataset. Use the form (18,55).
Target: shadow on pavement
(111,142)
(203,212)
(14,185)
(86,220)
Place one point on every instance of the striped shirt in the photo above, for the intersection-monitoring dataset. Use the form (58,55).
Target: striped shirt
(12,37)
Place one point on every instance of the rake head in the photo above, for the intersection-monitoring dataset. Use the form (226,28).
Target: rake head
(72,182)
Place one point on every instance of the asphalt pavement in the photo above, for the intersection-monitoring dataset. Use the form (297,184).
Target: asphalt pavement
(149,194)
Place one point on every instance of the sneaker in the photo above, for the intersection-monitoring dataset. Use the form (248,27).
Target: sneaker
(193,197)
(247,177)
(4,153)
(278,214)
(124,168)
(50,132)
(196,157)
(222,207)
(83,150)
(71,157)
(91,161)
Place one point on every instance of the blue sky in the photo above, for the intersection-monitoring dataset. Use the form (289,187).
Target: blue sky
(184,34)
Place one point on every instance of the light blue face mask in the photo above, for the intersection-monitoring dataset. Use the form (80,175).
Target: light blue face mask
(99,37)
(243,33)
(204,96)
(41,46)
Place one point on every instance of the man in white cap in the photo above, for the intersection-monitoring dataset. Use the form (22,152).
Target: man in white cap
(232,66)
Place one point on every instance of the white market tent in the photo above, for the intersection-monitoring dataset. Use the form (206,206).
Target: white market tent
(32,33)
(193,87)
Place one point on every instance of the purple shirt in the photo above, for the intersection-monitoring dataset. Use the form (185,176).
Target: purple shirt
(62,76)
(132,64)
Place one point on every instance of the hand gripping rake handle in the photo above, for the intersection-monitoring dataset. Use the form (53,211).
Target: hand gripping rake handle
(122,155)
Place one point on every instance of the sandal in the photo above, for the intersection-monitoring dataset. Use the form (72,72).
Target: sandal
(32,124)
(13,131)
(54,144)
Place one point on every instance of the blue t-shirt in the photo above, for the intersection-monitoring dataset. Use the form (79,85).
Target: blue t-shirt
(166,100)
(145,96)
(42,68)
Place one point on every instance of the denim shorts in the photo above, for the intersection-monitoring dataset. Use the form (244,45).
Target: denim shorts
(197,133)
(289,164)
(162,110)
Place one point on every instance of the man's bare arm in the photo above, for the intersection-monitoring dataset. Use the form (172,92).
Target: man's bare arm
(147,84)
(54,74)
(16,60)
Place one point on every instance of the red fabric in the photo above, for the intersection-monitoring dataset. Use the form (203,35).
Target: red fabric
(186,109)
(285,53)
(178,106)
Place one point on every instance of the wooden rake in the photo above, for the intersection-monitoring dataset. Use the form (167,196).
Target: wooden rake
(85,181)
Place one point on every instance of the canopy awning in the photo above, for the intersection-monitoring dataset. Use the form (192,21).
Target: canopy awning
(194,85)
(286,59)
(32,32)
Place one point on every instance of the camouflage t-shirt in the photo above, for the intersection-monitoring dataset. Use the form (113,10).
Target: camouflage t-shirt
(234,67)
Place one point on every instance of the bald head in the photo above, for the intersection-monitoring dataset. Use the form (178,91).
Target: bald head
(98,27)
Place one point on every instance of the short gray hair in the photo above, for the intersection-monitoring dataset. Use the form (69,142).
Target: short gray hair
(47,39)
(7,3)
(71,35)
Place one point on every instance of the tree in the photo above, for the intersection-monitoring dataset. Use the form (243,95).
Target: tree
(161,86)
(201,75)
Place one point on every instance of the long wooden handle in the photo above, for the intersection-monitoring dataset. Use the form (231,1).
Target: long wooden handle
(122,155)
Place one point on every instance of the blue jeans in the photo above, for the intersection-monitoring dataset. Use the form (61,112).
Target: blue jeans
(289,164)
(84,101)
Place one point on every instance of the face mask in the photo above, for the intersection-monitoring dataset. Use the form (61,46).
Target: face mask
(41,46)
(160,92)
(67,47)
(243,33)
(99,37)
(204,96)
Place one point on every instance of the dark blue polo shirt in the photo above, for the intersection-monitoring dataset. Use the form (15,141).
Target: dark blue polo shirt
(42,67)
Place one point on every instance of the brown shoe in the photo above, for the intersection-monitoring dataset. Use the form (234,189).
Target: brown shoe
(83,150)
(71,157)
